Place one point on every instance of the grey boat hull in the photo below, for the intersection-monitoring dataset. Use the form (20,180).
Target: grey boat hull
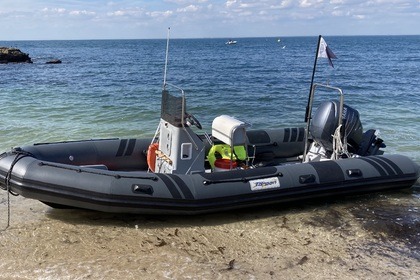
(111,175)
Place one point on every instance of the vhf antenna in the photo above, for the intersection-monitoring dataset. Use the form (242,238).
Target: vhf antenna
(166,58)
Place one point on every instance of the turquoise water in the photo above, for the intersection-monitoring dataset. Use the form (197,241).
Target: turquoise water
(111,88)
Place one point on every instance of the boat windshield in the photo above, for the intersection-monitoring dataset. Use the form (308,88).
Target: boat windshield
(173,108)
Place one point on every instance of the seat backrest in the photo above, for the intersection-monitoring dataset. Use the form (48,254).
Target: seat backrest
(229,130)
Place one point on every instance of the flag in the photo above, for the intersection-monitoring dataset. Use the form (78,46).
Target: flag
(325,52)
(322,51)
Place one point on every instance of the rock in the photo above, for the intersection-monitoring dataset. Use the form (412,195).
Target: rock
(13,55)
(54,61)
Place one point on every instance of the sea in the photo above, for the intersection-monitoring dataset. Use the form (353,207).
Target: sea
(112,88)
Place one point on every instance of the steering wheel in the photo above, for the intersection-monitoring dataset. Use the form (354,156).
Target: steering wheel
(191,120)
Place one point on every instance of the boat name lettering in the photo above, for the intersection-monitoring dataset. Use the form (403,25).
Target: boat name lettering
(344,114)
(262,184)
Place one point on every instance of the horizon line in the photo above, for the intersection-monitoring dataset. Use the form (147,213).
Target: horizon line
(198,38)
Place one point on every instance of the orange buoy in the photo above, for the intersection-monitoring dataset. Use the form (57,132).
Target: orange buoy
(151,155)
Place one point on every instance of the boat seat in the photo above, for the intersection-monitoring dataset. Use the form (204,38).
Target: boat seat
(229,130)
(232,132)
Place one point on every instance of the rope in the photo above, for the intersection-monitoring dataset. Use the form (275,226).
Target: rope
(19,156)
(339,147)
(8,208)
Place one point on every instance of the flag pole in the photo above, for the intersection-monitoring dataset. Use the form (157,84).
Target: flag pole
(312,79)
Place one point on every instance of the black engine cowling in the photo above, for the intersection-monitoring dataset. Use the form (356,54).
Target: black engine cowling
(325,121)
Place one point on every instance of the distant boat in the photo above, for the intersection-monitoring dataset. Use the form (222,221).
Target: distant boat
(231,42)
(278,41)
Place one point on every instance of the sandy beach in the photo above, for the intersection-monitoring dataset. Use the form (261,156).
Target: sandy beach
(367,237)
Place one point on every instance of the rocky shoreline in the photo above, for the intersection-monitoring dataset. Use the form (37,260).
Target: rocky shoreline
(13,55)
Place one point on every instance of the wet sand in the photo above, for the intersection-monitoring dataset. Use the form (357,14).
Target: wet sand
(366,237)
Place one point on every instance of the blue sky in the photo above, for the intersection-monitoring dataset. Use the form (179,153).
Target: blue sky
(126,19)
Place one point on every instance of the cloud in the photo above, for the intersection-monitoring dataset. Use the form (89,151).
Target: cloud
(309,3)
(158,14)
(82,13)
(63,12)
(230,3)
(188,9)
(208,18)
(285,4)
(54,11)
(359,16)
(185,2)
(129,12)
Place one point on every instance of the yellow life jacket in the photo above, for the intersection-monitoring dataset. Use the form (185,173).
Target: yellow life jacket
(225,152)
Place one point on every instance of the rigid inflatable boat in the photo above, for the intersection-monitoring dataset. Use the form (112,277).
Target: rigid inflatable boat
(182,171)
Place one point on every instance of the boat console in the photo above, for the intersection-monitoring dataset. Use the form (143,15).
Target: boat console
(180,150)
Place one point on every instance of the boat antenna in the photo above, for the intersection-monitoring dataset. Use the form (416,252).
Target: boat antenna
(166,58)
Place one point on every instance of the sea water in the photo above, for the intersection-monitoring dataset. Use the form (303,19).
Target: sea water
(111,88)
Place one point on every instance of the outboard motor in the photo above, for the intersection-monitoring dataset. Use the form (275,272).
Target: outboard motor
(325,122)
